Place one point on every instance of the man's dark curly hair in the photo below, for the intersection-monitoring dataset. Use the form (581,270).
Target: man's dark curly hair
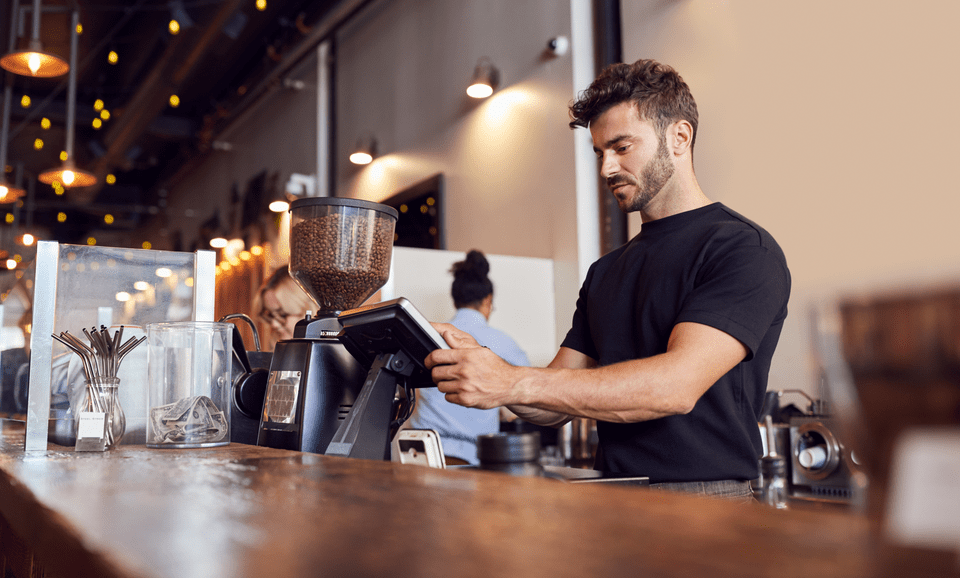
(660,94)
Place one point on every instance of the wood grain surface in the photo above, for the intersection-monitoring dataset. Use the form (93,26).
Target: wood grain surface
(245,511)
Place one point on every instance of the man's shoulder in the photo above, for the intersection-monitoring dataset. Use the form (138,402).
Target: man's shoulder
(727,222)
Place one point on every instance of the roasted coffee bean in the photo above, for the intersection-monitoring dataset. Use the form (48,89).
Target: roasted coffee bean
(344,258)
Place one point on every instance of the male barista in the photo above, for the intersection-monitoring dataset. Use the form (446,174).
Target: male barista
(673,332)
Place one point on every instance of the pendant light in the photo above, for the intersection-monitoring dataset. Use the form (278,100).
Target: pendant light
(34,61)
(68,174)
(8,193)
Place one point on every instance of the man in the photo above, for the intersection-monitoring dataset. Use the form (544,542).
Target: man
(673,333)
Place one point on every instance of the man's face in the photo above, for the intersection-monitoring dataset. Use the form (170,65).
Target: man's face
(634,159)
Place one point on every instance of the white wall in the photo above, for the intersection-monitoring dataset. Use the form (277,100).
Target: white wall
(831,124)
(402,70)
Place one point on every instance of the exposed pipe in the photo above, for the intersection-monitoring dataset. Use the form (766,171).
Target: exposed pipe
(72,85)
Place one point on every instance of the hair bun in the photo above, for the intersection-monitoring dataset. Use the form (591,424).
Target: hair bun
(475,266)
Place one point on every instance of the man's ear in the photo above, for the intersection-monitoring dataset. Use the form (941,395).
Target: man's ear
(681,137)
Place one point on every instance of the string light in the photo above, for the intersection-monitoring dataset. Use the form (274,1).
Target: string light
(45,123)
(63,155)
(61,217)
(261,5)
(91,241)
(147,245)
(38,144)
(98,105)
(79,28)
(9,218)
(113,57)
(97,123)
(111,179)
(25,101)
(108,219)
(105,114)
(174,27)
(174,100)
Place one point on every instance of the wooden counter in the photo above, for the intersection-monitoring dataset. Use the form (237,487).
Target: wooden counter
(242,511)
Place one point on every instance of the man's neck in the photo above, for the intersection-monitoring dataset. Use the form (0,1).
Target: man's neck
(682,193)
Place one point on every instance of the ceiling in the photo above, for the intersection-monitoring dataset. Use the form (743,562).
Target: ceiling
(217,64)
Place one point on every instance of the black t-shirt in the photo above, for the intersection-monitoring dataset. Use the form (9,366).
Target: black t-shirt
(710,266)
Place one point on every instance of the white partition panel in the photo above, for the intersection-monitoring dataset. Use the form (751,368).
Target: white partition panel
(523,298)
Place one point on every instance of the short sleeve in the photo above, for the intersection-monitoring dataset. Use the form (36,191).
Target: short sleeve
(742,293)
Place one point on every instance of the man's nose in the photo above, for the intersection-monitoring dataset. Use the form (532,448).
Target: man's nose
(609,165)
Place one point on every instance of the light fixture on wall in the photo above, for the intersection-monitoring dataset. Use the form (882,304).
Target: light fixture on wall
(68,174)
(34,61)
(365,151)
(297,187)
(218,240)
(486,77)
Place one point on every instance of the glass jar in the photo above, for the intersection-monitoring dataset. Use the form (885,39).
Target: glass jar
(101,397)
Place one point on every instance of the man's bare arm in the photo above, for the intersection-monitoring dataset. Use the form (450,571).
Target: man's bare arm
(638,390)
(566,358)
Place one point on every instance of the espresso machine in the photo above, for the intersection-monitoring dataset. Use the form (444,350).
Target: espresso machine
(340,253)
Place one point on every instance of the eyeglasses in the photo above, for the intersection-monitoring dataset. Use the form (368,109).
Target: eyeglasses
(279,315)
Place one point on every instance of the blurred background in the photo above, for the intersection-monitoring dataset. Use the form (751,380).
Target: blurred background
(830,124)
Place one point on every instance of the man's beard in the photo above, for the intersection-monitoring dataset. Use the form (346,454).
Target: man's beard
(653,177)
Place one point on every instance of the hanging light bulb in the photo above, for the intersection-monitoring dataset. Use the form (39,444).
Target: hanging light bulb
(34,61)
(9,193)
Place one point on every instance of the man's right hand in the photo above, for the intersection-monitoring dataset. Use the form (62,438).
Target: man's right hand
(468,374)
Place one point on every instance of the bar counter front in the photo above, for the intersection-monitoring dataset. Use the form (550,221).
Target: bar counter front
(242,511)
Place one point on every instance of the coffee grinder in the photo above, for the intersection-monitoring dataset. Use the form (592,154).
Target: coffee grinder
(340,254)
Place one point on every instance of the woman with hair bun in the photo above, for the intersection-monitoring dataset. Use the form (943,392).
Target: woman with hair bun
(459,426)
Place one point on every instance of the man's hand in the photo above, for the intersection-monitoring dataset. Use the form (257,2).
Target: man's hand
(468,374)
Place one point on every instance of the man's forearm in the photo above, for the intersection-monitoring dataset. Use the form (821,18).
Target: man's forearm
(539,416)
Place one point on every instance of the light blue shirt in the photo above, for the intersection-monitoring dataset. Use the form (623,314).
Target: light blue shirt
(459,426)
